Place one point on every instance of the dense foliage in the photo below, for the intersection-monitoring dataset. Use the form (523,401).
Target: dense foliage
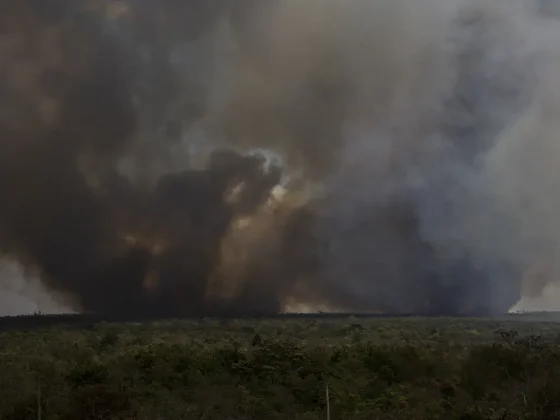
(279,369)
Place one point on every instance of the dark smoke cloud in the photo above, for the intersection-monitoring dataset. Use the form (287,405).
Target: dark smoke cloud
(217,157)
(68,212)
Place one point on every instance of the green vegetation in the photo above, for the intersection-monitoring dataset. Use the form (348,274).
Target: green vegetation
(278,369)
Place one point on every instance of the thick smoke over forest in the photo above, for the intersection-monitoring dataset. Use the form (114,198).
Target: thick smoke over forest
(189,157)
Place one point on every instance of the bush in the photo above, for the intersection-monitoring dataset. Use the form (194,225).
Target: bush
(134,373)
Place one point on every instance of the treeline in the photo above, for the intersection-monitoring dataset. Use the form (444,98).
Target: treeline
(40,320)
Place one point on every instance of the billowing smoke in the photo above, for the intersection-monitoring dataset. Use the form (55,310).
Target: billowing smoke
(216,157)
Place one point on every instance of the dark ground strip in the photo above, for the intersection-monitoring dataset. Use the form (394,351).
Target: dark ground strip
(84,320)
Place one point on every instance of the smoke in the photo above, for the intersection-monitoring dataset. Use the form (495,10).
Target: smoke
(218,158)
(22,293)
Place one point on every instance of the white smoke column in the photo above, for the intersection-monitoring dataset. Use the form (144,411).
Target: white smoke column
(22,294)
(503,211)
(522,171)
(474,209)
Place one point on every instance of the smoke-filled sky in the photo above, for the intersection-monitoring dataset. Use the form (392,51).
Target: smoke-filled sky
(223,157)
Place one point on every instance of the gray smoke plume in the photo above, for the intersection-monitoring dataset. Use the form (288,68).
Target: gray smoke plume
(216,157)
